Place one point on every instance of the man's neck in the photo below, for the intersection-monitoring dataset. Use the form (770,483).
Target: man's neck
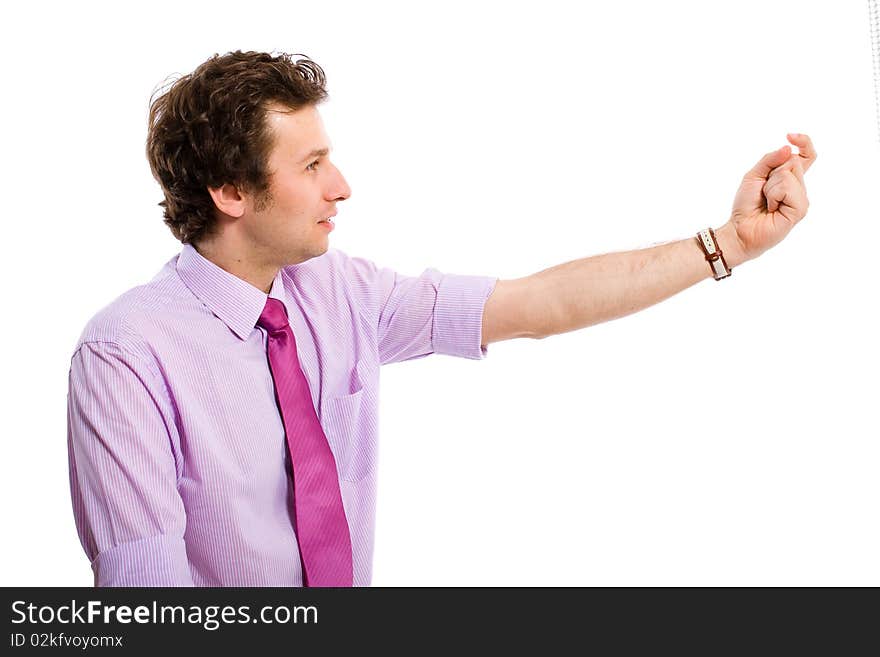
(240,265)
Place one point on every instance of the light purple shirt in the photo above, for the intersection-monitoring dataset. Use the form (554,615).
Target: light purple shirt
(179,473)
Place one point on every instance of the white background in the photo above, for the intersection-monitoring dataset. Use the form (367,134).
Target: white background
(727,436)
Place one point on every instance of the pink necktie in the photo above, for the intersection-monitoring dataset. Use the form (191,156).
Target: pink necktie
(320,524)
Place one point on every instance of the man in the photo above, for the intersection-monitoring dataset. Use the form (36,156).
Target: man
(223,417)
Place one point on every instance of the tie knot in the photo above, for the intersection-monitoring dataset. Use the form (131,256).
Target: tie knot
(274,316)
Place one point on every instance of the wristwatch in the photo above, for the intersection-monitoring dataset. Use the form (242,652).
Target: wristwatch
(706,240)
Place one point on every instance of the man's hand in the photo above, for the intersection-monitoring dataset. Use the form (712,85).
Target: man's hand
(772,197)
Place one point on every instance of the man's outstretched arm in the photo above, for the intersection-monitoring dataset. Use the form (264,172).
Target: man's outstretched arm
(770,201)
(592,290)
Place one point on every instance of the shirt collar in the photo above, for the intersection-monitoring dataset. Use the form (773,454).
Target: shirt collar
(235,301)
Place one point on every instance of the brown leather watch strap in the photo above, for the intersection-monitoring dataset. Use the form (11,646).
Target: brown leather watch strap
(714,256)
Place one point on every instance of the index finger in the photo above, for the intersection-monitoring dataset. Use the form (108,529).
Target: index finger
(806,151)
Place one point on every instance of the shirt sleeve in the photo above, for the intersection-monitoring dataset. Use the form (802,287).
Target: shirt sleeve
(416,316)
(123,476)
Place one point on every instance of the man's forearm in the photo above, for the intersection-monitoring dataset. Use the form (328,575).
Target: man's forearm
(592,290)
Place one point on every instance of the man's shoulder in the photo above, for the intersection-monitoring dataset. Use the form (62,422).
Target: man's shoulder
(124,321)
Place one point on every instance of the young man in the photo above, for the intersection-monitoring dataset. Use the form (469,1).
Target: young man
(222,418)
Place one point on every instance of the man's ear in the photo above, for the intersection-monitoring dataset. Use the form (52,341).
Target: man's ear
(228,200)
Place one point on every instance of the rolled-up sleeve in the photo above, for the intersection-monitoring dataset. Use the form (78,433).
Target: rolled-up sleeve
(458,314)
(416,316)
(123,473)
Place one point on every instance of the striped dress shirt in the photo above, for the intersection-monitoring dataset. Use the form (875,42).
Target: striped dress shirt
(179,472)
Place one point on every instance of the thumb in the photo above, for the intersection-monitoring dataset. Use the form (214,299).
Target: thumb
(769,162)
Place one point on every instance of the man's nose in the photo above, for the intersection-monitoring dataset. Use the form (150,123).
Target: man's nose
(341,190)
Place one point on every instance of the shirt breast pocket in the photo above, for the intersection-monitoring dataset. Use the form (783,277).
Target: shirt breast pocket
(350,431)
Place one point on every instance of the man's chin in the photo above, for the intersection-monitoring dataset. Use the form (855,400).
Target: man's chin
(322,249)
(302,256)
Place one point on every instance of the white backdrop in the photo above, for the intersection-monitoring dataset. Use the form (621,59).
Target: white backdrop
(502,138)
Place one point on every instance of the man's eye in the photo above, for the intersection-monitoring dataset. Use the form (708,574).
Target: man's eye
(312,164)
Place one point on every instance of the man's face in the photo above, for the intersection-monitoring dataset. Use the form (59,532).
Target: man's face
(303,188)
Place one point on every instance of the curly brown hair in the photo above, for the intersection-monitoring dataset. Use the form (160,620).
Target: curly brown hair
(209,128)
